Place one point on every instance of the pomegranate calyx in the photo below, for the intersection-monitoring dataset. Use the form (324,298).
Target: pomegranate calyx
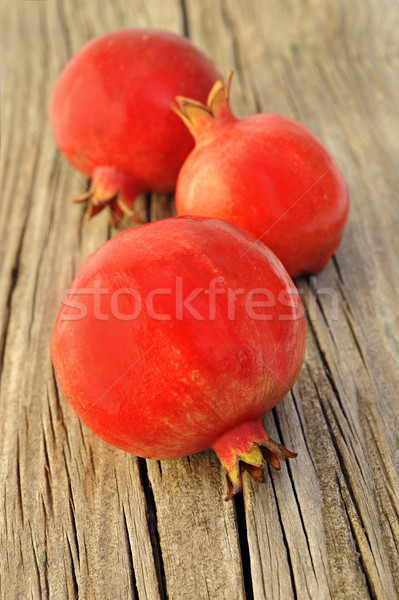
(219,97)
(248,448)
(113,189)
(96,202)
(200,117)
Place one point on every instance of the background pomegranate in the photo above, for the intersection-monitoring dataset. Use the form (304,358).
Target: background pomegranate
(266,173)
(179,336)
(110,113)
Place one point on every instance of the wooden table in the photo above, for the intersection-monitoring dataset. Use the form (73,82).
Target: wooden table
(81,519)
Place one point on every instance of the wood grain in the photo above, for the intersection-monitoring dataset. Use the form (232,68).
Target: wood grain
(83,520)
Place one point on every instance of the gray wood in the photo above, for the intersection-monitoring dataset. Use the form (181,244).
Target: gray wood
(82,519)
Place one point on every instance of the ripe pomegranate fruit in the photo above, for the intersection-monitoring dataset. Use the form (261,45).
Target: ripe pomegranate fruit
(110,113)
(179,336)
(266,173)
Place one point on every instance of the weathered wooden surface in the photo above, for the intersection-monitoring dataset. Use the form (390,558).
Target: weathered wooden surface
(81,519)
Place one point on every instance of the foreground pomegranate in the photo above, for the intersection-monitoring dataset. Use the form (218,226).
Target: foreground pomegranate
(179,336)
(111,119)
(266,173)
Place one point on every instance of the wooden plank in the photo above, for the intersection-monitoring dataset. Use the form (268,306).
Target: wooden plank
(81,519)
(337,504)
(198,531)
(76,520)
(197,528)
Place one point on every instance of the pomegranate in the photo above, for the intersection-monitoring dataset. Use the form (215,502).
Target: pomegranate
(179,336)
(110,113)
(266,173)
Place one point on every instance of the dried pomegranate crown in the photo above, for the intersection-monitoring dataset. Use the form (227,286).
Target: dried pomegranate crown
(199,117)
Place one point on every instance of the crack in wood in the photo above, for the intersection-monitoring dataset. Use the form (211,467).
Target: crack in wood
(36,564)
(386,474)
(43,559)
(7,311)
(152,523)
(72,509)
(19,481)
(348,489)
(289,473)
(295,404)
(347,311)
(239,505)
(59,411)
(72,573)
(355,338)
(185,20)
(18,253)
(333,436)
(50,414)
(47,471)
(133,581)
(335,262)
(368,581)
(328,372)
(285,541)
(148,200)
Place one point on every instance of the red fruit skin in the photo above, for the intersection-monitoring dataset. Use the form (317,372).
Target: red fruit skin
(163,388)
(270,175)
(110,108)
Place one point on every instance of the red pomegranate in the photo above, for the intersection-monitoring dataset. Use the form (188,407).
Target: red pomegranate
(110,113)
(266,173)
(179,336)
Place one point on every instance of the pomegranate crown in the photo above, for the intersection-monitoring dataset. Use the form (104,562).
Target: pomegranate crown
(200,117)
